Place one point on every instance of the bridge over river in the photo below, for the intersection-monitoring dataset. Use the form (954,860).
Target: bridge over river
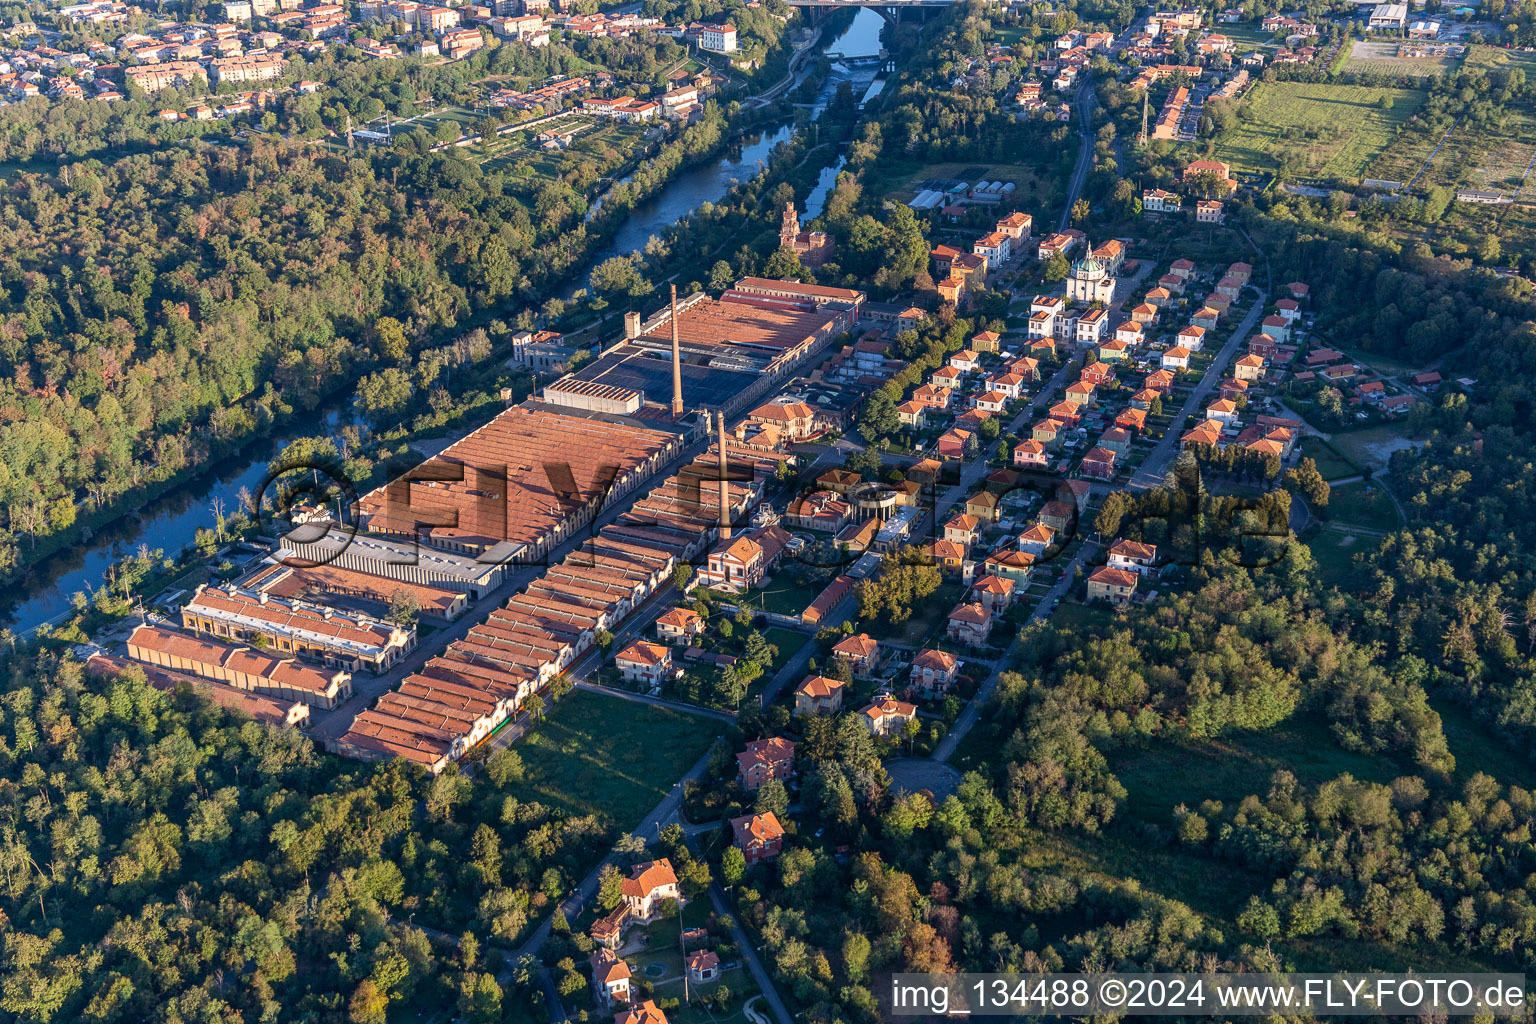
(890,10)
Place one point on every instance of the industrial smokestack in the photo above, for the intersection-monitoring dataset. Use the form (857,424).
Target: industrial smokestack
(677,362)
(725,490)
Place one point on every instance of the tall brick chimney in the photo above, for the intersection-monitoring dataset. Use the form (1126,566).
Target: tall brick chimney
(725,488)
(677,362)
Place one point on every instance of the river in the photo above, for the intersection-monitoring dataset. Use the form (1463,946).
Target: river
(710,183)
(171,521)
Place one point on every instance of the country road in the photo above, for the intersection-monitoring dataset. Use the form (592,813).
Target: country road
(1084,102)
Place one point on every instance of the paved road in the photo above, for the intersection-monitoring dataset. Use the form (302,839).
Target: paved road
(1155,468)
(972,713)
(781,1012)
(1084,102)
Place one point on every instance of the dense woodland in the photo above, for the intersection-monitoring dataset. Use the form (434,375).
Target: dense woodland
(163,860)
(165,306)
(175,289)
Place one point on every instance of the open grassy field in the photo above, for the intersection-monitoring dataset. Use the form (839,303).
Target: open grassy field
(596,754)
(1372,447)
(1363,505)
(1318,130)
(1330,463)
(1381,57)
(930,618)
(1163,775)
(1248,37)
(1473,156)
(783,595)
(1334,549)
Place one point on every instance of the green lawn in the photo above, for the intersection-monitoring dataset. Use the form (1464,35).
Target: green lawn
(1326,131)
(1248,37)
(1335,548)
(788,641)
(596,754)
(1364,505)
(1082,617)
(1479,749)
(1164,775)
(1330,463)
(930,618)
(784,596)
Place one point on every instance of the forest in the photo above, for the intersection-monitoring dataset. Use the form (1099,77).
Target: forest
(177,289)
(165,860)
(164,307)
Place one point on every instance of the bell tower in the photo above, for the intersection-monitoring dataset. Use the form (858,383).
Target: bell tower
(789,228)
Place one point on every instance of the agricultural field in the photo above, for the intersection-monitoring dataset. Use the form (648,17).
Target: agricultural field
(1469,156)
(1317,130)
(1466,226)
(1381,57)
(1487,58)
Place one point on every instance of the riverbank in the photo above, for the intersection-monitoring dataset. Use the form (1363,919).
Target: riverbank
(166,513)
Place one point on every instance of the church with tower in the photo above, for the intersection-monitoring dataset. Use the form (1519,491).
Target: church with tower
(813,247)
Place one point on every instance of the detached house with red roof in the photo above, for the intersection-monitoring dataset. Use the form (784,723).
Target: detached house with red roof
(962,529)
(795,420)
(1099,464)
(1113,585)
(1249,368)
(934,671)
(1132,556)
(758,836)
(951,444)
(734,565)
(861,653)
(680,625)
(645,1013)
(1223,410)
(1030,454)
(648,887)
(644,662)
(969,624)
(703,966)
(610,978)
(887,716)
(995,593)
(818,695)
(772,758)
(1011,565)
